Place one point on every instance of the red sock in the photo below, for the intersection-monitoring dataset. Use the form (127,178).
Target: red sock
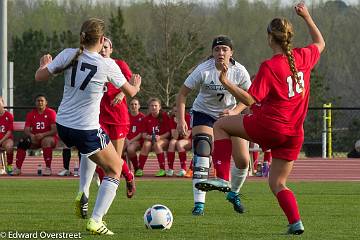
(182,157)
(161,160)
(255,156)
(142,161)
(126,172)
(171,159)
(47,152)
(222,157)
(191,165)
(287,202)
(100,173)
(267,156)
(20,157)
(134,162)
(10,157)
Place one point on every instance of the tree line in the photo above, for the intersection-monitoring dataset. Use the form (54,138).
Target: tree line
(164,40)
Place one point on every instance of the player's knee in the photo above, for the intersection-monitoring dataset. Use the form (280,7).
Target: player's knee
(202,144)
(276,186)
(24,143)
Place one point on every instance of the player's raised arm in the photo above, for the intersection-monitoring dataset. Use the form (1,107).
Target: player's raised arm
(43,73)
(315,33)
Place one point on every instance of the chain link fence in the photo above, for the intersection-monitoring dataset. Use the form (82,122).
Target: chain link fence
(345,130)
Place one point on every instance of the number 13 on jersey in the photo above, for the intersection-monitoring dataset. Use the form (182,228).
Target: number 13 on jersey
(298,89)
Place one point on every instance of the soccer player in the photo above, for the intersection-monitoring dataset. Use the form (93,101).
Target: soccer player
(6,135)
(178,143)
(212,103)
(134,141)
(40,131)
(114,117)
(86,73)
(156,133)
(282,86)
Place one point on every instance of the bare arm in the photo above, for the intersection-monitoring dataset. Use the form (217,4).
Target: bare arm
(239,93)
(133,88)
(315,33)
(43,73)
(180,113)
(6,136)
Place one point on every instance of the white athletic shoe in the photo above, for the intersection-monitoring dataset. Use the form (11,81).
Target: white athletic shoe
(169,173)
(64,172)
(47,172)
(181,173)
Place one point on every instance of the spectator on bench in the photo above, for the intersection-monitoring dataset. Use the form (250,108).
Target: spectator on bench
(156,133)
(6,134)
(178,143)
(134,140)
(40,132)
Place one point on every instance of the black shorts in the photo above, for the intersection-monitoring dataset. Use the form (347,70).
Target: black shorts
(87,142)
(201,119)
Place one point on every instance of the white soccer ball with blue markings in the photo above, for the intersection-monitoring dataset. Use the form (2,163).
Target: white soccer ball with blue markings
(158,217)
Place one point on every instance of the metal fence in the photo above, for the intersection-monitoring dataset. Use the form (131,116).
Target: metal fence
(345,129)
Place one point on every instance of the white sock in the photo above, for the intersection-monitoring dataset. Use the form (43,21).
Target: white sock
(238,177)
(105,197)
(199,196)
(87,169)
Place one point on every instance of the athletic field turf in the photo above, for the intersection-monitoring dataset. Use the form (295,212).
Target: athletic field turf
(330,210)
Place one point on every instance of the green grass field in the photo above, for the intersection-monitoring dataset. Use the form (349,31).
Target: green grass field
(329,210)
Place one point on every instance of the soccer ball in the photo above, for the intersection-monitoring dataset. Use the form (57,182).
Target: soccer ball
(158,217)
(357,145)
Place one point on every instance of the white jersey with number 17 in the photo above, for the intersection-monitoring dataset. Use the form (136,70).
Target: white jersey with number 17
(84,87)
(213,98)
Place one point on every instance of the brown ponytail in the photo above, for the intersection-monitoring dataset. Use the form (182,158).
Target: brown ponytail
(91,30)
(282,33)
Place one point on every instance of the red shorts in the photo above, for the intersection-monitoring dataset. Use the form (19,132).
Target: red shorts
(282,146)
(116,132)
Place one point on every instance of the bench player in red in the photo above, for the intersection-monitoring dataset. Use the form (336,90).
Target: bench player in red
(178,143)
(134,140)
(6,135)
(40,131)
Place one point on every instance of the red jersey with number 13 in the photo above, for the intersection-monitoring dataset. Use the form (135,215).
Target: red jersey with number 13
(283,105)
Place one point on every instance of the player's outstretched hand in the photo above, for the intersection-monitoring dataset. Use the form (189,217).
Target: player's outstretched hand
(302,10)
(45,60)
(135,80)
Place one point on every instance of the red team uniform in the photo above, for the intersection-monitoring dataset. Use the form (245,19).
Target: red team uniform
(182,155)
(135,129)
(114,120)
(135,126)
(153,125)
(285,106)
(7,124)
(39,123)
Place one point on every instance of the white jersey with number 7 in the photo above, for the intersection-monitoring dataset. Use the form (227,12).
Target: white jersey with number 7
(213,98)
